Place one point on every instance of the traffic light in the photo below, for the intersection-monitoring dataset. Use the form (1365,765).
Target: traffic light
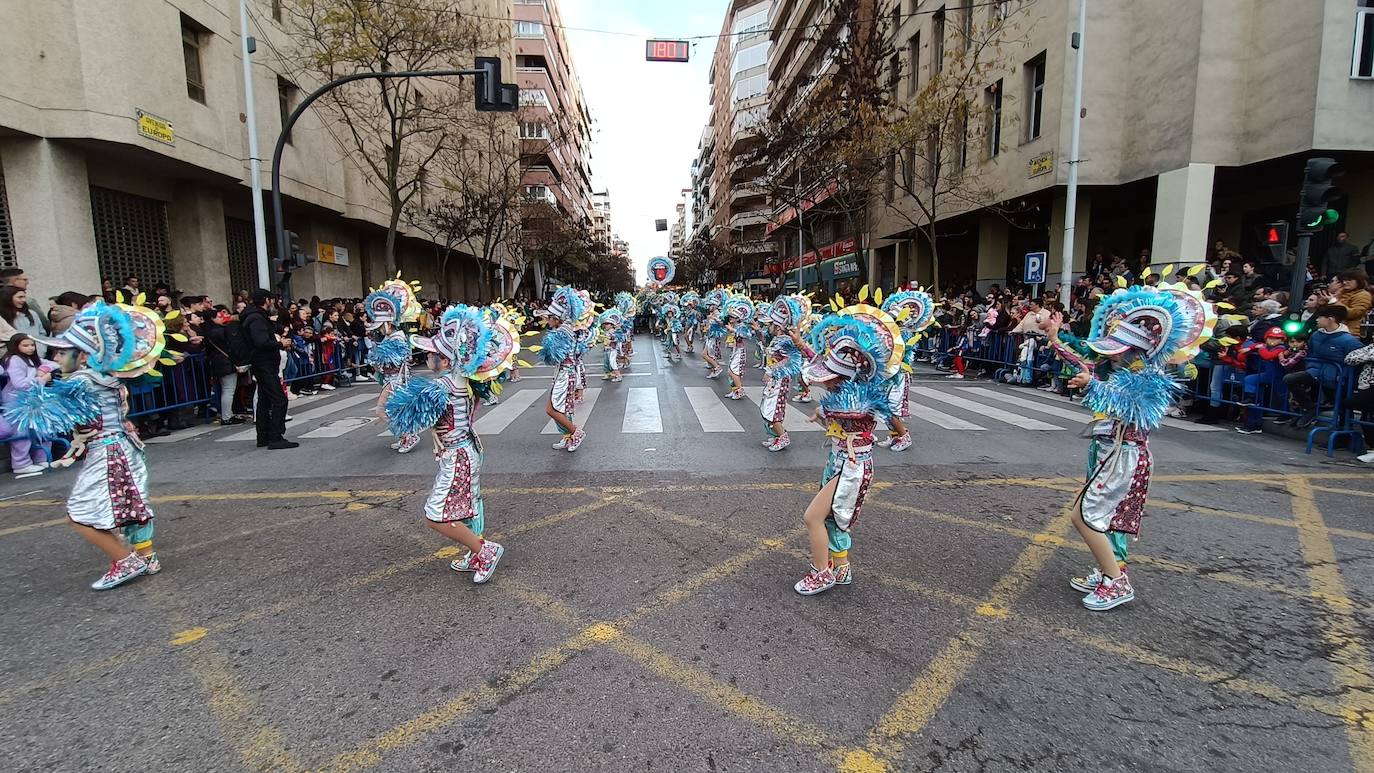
(493,96)
(1292,326)
(1276,239)
(1314,212)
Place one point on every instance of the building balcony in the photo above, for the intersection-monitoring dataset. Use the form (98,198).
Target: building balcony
(746,219)
(742,192)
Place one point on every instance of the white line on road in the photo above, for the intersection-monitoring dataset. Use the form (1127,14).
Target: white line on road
(943,420)
(710,411)
(793,420)
(581,414)
(1081,416)
(491,422)
(1186,426)
(641,411)
(990,412)
(340,427)
(333,406)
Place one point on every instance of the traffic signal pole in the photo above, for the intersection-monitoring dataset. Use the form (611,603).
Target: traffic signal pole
(1298,282)
(278,225)
(1071,203)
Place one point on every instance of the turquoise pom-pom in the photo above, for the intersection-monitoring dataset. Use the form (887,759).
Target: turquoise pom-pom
(416,405)
(53,411)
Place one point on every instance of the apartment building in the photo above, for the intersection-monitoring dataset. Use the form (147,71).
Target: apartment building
(1197,120)
(601,218)
(728,208)
(123,150)
(555,125)
(677,235)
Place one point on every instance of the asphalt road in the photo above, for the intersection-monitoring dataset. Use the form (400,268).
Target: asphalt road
(643,617)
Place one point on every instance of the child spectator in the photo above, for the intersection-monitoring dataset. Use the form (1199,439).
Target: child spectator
(1265,357)
(301,362)
(24,368)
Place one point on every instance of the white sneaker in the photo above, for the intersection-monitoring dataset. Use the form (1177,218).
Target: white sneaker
(562,444)
(902,443)
(289,417)
(955,375)
(408,444)
(327,387)
(1366,458)
(28,471)
(885,442)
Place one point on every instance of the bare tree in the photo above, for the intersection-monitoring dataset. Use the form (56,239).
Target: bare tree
(396,126)
(936,144)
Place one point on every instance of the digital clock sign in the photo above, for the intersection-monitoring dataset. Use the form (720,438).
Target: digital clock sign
(666,50)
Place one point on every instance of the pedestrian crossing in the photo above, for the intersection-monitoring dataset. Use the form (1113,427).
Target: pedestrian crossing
(633,409)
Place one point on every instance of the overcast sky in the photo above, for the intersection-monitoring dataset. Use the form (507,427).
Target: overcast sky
(646,116)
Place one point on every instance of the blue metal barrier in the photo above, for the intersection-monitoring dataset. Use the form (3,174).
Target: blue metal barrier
(184,385)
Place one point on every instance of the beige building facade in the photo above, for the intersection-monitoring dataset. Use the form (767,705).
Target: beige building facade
(123,150)
(1198,118)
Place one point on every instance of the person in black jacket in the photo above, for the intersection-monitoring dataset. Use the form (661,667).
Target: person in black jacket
(267,347)
(224,361)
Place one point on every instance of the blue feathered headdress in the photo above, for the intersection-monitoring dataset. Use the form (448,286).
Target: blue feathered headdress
(739,308)
(859,342)
(919,308)
(1149,322)
(626,303)
(567,304)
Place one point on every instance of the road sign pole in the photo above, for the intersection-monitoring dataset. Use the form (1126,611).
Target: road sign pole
(1071,207)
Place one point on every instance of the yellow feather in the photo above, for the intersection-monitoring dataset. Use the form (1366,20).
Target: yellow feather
(140,299)
(154,372)
(1146,273)
(496,387)
(536,348)
(878,297)
(166,361)
(119,296)
(1169,269)
(1211,284)
(863,294)
(177,337)
(1195,270)
(1224,305)
(523,364)
(1121,281)
(173,314)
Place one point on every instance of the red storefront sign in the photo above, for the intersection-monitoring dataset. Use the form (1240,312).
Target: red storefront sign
(785,217)
(837,250)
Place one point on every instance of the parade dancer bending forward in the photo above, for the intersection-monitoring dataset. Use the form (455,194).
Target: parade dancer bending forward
(108,505)
(914,311)
(558,349)
(785,356)
(388,308)
(739,312)
(857,350)
(1137,332)
(472,348)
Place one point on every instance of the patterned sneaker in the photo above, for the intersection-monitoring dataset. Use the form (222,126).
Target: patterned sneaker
(484,563)
(463,564)
(844,575)
(121,571)
(154,565)
(780,442)
(490,400)
(768,441)
(397,445)
(562,444)
(1088,583)
(408,444)
(1110,593)
(617,379)
(804,398)
(715,373)
(815,581)
(735,394)
(575,441)
(885,442)
(902,443)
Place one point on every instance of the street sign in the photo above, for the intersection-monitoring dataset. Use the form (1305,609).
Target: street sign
(1035,268)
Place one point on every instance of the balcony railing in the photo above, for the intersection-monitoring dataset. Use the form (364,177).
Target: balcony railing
(746,219)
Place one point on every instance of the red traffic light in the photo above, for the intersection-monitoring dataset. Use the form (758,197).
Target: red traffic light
(1272,236)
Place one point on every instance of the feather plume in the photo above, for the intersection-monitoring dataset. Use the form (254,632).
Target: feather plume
(859,397)
(416,405)
(557,346)
(1137,398)
(53,411)
(388,353)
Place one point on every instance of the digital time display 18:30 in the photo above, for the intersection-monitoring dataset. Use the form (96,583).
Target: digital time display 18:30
(666,50)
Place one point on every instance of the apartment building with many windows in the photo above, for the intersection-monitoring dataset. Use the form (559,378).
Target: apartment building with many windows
(1197,121)
(728,208)
(123,150)
(555,125)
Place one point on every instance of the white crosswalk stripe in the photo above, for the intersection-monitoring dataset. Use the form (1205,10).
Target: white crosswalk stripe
(711,413)
(582,413)
(943,420)
(997,414)
(492,420)
(793,420)
(1186,426)
(641,411)
(1080,416)
(333,406)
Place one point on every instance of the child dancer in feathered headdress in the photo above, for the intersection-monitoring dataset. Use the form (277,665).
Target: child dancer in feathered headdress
(559,348)
(609,323)
(106,345)
(858,348)
(472,347)
(786,354)
(628,307)
(691,319)
(1138,332)
(914,312)
(712,331)
(739,314)
(389,308)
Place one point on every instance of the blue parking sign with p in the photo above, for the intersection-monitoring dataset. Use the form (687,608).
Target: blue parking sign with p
(1035,268)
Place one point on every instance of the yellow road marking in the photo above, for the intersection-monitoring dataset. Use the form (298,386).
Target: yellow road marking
(1331,490)
(915,707)
(1349,659)
(1230,578)
(189,636)
(260,747)
(30,526)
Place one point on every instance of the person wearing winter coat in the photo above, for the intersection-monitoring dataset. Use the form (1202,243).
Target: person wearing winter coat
(1362,399)
(1327,348)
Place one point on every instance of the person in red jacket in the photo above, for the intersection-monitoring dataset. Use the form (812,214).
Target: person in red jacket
(1273,350)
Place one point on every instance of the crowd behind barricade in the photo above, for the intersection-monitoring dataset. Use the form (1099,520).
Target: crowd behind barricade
(215,366)
(1318,379)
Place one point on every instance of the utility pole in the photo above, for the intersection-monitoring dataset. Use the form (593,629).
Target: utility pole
(1071,207)
(801,237)
(250,111)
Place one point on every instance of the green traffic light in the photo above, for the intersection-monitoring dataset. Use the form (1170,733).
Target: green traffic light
(1292,326)
(1330,216)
